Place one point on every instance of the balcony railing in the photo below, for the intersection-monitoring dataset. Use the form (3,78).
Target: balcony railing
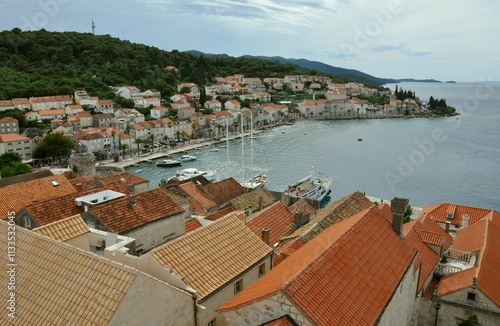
(443,269)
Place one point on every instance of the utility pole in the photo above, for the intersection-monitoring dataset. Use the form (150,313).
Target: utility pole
(93,27)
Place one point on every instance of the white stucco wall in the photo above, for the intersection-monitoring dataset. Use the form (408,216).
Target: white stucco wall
(400,309)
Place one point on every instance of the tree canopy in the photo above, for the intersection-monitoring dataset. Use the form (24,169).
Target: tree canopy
(39,63)
(11,164)
(54,145)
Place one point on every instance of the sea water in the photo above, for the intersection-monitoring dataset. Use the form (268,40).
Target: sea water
(428,160)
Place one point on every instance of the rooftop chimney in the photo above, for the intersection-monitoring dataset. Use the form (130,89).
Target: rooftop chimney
(398,208)
(447,228)
(163,183)
(131,199)
(260,202)
(465,220)
(300,218)
(265,236)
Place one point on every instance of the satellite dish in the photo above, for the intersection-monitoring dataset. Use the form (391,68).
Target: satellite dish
(472,260)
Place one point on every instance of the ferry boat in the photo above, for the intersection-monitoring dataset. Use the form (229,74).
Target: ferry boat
(168,163)
(310,187)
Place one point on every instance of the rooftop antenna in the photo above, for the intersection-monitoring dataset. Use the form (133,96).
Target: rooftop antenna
(93,27)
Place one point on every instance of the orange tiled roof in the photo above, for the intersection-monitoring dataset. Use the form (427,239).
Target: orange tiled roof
(192,224)
(16,196)
(482,237)
(277,218)
(439,212)
(333,213)
(224,190)
(197,196)
(210,257)
(120,216)
(8,119)
(56,208)
(87,182)
(65,229)
(334,284)
(284,251)
(426,258)
(7,138)
(427,223)
(59,284)
(219,214)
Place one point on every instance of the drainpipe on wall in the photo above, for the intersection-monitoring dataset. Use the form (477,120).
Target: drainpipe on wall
(438,305)
(195,298)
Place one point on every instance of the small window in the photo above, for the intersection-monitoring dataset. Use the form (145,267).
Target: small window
(27,222)
(262,269)
(471,297)
(238,286)
(212,322)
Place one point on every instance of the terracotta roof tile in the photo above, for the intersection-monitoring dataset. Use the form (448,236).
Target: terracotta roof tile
(333,213)
(54,209)
(225,190)
(332,283)
(277,218)
(482,237)
(65,229)
(5,138)
(16,196)
(192,224)
(284,251)
(201,203)
(219,214)
(88,182)
(440,211)
(212,256)
(252,199)
(59,284)
(120,216)
(303,206)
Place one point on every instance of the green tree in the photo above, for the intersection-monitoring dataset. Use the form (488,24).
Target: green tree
(55,145)
(11,164)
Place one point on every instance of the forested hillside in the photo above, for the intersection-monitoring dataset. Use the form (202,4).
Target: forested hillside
(37,63)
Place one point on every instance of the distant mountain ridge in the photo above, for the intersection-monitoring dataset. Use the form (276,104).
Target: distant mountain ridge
(325,68)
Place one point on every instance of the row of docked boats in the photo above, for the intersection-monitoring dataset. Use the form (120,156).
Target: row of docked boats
(176,162)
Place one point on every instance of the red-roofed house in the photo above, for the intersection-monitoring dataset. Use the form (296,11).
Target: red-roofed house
(357,272)
(470,279)
(151,217)
(16,143)
(9,125)
(459,216)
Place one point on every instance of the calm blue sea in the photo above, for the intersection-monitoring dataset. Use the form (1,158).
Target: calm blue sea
(429,161)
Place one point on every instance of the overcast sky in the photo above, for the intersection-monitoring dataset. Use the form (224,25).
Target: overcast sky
(445,40)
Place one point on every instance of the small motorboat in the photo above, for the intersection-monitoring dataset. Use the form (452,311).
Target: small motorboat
(187,158)
(168,163)
(360,139)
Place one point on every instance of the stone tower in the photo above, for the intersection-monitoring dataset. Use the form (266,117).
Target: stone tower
(82,164)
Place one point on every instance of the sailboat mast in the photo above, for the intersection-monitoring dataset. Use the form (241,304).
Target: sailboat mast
(251,146)
(227,139)
(242,150)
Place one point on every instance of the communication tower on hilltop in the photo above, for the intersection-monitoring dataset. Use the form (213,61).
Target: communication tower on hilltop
(93,27)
